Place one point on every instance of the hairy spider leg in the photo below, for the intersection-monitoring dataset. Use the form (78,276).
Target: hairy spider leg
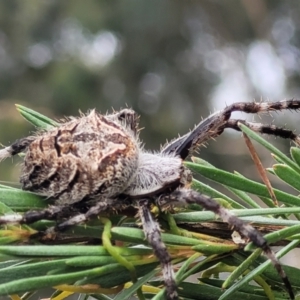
(52,212)
(215,124)
(153,235)
(188,196)
(17,147)
(30,217)
(93,211)
(265,129)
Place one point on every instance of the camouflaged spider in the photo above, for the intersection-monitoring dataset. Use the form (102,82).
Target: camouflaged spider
(98,160)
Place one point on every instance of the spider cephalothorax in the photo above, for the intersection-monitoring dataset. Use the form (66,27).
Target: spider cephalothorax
(99,159)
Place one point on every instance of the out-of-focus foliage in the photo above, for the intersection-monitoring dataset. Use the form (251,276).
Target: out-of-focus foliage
(172,61)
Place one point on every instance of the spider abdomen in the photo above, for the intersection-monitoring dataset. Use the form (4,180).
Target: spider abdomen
(89,157)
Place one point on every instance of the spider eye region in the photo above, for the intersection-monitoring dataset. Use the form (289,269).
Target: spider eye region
(83,158)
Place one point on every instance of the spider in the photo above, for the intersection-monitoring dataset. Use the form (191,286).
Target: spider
(98,160)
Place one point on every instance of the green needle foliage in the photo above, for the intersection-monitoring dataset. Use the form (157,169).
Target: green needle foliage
(110,259)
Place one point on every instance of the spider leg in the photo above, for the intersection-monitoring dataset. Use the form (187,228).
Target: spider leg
(264,129)
(53,212)
(80,218)
(204,131)
(29,217)
(17,147)
(188,196)
(214,125)
(152,233)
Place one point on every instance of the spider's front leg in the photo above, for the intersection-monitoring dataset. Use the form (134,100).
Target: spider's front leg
(188,196)
(215,124)
(153,235)
(265,129)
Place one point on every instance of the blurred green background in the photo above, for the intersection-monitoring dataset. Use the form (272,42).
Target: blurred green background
(172,61)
